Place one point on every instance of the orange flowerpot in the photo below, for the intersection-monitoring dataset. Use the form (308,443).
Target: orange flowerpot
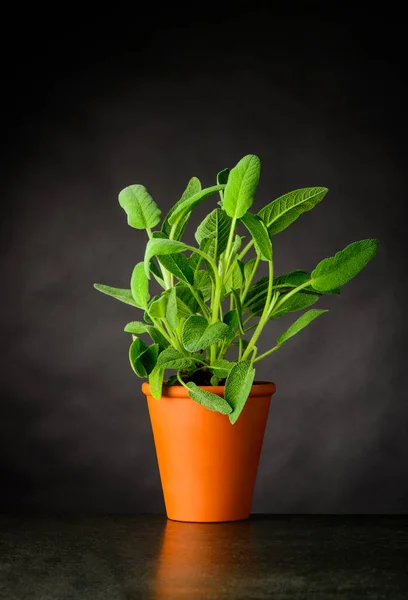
(207,465)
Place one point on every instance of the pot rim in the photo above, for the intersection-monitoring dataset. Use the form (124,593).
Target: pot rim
(259,388)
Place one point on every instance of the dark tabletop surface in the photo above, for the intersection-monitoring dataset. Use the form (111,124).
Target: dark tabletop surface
(137,557)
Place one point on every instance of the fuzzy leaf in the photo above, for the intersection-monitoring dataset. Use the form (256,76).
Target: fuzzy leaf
(141,210)
(156,382)
(173,359)
(296,302)
(125,296)
(191,203)
(260,235)
(198,333)
(203,283)
(193,187)
(158,306)
(157,274)
(232,319)
(248,268)
(142,358)
(234,280)
(222,367)
(157,337)
(240,189)
(186,303)
(238,386)
(139,284)
(171,310)
(339,269)
(179,266)
(280,213)
(300,324)
(208,399)
(215,226)
(136,327)
(159,247)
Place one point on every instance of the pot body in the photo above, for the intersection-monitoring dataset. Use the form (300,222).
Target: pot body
(207,465)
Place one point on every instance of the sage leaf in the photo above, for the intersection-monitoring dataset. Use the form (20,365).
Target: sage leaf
(158,247)
(171,310)
(142,358)
(198,334)
(296,302)
(173,359)
(339,269)
(136,327)
(186,303)
(208,399)
(234,279)
(157,307)
(125,296)
(193,187)
(191,203)
(141,210)
(260,235)
(157,337)
(215,226)
(300,324)
(281,212)
(179,266)
(203,283)
(156,382)
(139,284)
(238,387)
(222,367)
(248,268)
(242,183)
(256,297)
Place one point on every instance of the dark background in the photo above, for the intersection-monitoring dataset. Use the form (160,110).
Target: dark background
(155,97)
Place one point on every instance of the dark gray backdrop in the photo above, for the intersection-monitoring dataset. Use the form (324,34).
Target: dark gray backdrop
(321,100)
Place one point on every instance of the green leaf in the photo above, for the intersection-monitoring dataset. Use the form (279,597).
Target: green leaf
(157,337)
(156,382)
(215,226)
(142,358)
(158,306)
(139,284)
(159,247)
(238,387)
(186,303)
(179,266)
(136,327)
(203,283)
(294,279)
(300,324)
(198,334)
(171,310)
(256,297)
(222,177)
(232,319)
(125,296)
(260,235)
(240,189)
(157,274)
(234,279)
(222,367)
(339,269)
(248,268)
(208,399)
(141,210)
(191,203)
(173,359)
(193,187)
(281,212)
(298,301)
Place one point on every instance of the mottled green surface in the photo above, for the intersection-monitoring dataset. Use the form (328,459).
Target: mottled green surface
(277,557)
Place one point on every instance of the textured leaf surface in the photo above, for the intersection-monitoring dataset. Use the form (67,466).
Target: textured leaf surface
(157,337)
(198,333)
(238,386)
(142,358)
(173,359)
(141,210)
(339,269)
(260,235)
(158,247)
(248,268)
(234,280)
(158,306)
(139,284)
(123,295)
(191,203)
(242,183)
(280,213)
(296,302)
(222,367)
(208,399)
(171,310)
(186,303)
(179,266)
(203,283)
(193,187)
(136,327)
(215,226)
(302,322)
(256,297)
(232,319)
(156,382)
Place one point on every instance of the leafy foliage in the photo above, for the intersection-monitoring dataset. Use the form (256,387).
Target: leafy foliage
(211,300)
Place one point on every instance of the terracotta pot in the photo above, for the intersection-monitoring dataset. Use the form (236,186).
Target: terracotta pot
(207,465)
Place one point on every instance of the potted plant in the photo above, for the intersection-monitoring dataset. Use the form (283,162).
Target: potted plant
(208,413)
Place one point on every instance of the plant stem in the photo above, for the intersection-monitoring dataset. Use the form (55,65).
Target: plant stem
(264,317)
(227,252)
(289,294)
(267,353)
(180,380)
(248,283)
(246,250)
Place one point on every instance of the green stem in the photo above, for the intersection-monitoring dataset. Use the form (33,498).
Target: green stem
(246,249)
(227,252)
(180,380)
(264,317)
(267,353)
(248,283)
(286,297)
